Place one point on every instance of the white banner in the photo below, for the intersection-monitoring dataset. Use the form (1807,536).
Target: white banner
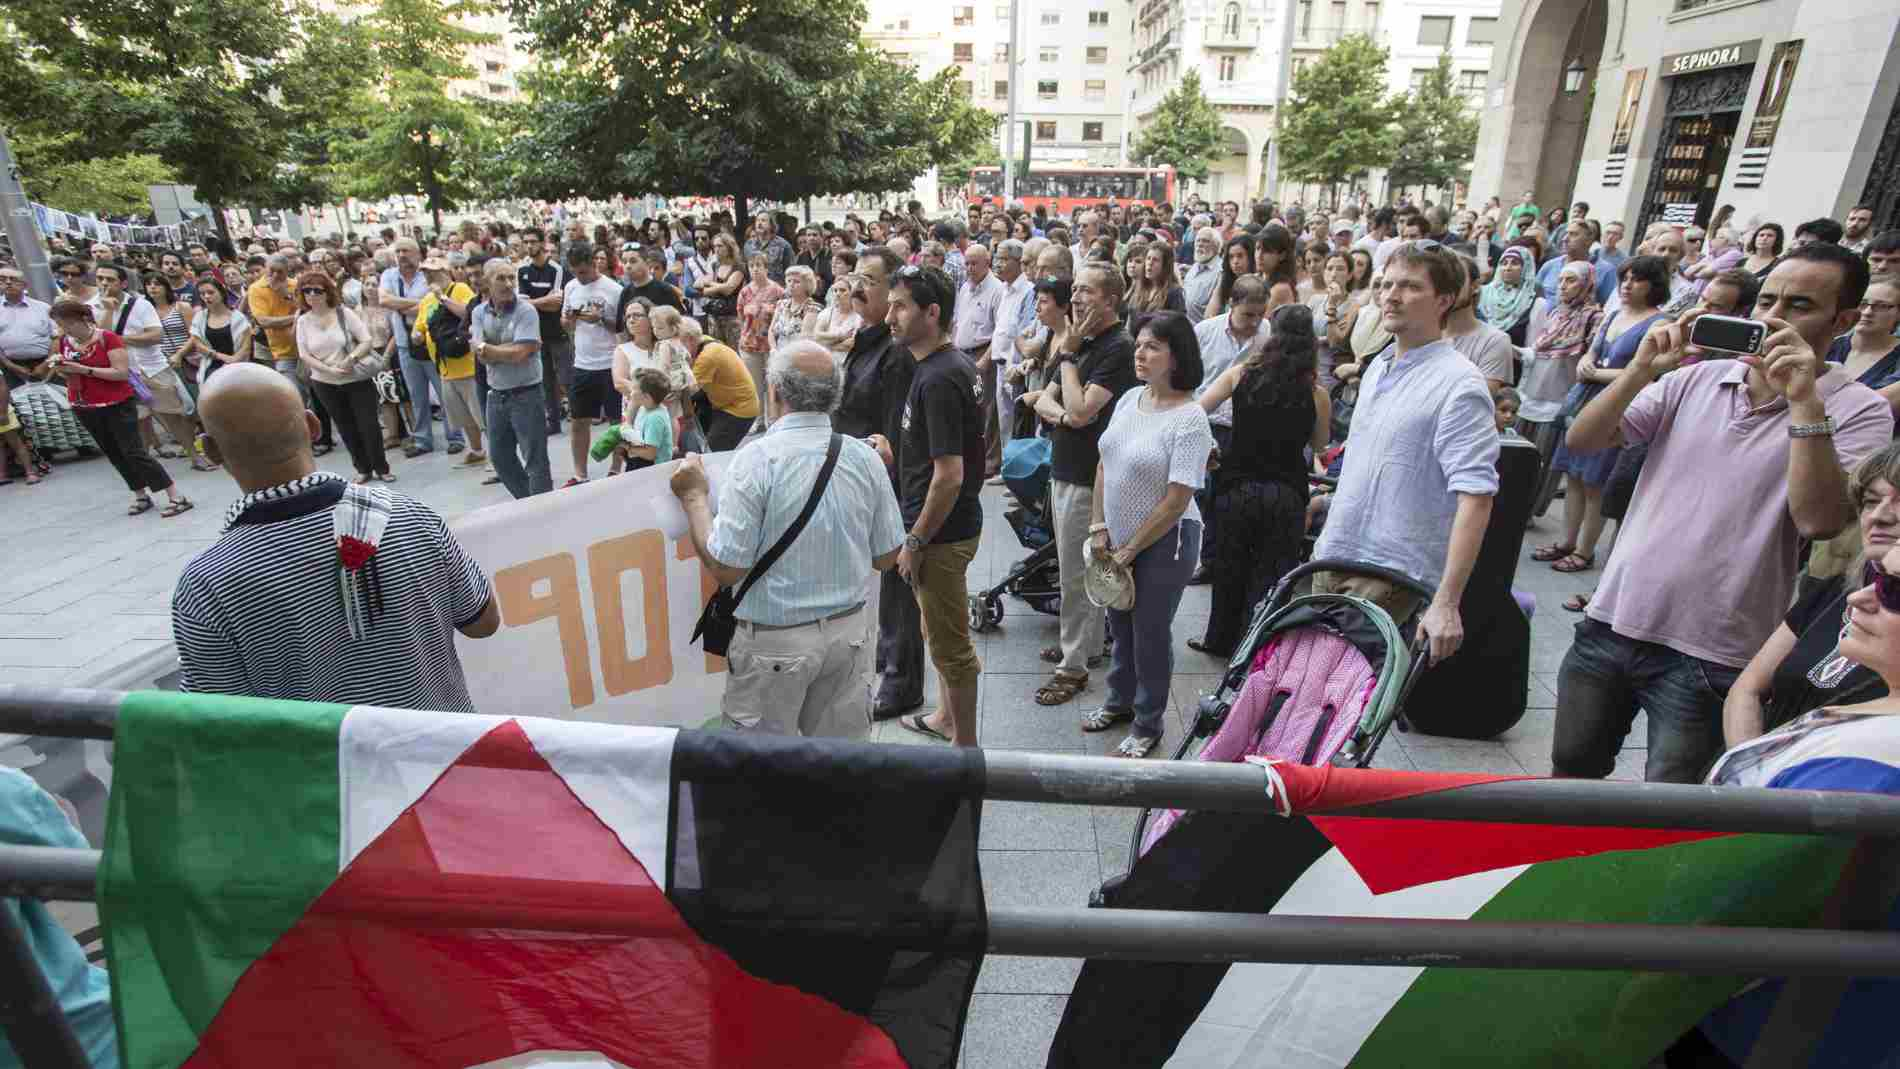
(599,590)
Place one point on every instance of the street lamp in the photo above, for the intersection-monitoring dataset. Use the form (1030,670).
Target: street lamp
(1573,75)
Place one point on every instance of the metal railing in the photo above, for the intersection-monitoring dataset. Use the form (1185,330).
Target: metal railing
(35,1025)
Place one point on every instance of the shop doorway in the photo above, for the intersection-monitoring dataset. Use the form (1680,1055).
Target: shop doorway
(1699,124)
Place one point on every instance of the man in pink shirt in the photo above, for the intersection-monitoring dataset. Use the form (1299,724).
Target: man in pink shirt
(1747,457)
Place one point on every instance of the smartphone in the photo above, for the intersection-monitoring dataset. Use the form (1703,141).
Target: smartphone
(1728,334)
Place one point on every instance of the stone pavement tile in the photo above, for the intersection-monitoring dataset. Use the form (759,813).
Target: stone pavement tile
(1039,878)
(1114,832)
(1017,646)
(44,653)
(1491,758)
(1027,976)
(1035,826)
(1012,719)
(1010,1031)
(1533,754)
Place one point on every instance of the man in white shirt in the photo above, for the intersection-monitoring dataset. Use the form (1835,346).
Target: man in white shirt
(588,309)
(978,298)
(1483,344)
(1203,275)
(26,327)
(1087,228)
(1017,287)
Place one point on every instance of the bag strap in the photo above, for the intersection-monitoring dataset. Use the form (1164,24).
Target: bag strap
(798,525)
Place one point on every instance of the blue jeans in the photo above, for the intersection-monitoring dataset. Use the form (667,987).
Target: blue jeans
(1606,677)
(1143,663)
(420,375)
(518,439)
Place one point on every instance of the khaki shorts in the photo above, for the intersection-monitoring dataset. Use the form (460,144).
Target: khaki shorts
(943,602)
(458,403)
(1397,602)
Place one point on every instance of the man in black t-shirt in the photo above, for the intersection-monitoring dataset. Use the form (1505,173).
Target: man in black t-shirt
(1092,363)
(939,460)
(540,284)
(646,277)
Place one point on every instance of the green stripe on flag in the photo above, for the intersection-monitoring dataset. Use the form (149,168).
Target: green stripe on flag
(221,830)
(1516,1017)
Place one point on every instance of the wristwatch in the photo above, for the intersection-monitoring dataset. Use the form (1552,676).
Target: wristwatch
(1823,429)
(913,543)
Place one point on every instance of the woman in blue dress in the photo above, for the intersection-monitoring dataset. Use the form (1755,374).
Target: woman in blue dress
(1644,285)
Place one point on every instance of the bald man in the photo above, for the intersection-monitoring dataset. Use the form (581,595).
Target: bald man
(807,609)
(259,613)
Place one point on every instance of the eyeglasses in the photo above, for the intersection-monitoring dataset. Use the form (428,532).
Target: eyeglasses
(1886,587)
(1879,306)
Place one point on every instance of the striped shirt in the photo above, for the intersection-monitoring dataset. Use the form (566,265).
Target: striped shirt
(259,612)
(824,571)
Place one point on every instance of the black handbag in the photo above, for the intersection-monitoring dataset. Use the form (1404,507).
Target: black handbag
(449,332)
(716,623)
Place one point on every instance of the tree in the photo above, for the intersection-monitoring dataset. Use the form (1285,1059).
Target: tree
(53,174)
(416,132)
(1186,132)
(728,98)
(1338,122)
(956,173)
(1438,132)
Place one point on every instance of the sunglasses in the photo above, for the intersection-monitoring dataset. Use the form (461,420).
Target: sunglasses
(314,291)
(1886,587)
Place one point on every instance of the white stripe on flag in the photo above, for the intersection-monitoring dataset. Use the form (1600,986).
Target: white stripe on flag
(1317,1016)
(386,758)
(554,1059)
(624,774)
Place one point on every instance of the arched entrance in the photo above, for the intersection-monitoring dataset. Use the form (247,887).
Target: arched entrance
(1228,176)
(1534,127)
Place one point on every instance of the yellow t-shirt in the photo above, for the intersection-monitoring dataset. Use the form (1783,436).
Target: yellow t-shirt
(726,381)
(267,302)
(461,367)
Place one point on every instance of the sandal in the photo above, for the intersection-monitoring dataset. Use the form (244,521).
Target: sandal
(1104,718)
(1135,746)
(1577,603)
(200,464)
(1575,562)
(1061,688)
(915,722)
(386,477)
(33,477)
(143,504)
(1554,551)
(177,508)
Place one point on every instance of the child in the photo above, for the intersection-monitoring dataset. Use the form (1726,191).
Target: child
(646,434)
(1507,402)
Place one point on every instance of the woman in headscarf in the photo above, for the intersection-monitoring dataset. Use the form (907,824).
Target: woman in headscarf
(1567,331)
(1506,301)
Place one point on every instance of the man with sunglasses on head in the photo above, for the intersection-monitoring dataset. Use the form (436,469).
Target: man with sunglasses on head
(26,328)
(877,378)
(1747,457)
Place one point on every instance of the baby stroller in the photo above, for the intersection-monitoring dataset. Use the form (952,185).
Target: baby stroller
(1317,679)
(1036,578)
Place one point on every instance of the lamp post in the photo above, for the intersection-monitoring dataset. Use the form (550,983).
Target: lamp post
(1573,75)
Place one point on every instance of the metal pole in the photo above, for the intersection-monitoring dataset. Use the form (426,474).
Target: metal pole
(22,231)
(1009,128)
(1024,776)
(1173,935)
(1279,101)
(37,1028)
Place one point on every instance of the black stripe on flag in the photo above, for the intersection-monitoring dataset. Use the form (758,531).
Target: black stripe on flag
(816,862)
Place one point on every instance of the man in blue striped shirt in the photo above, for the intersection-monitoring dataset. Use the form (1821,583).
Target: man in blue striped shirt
(798,662)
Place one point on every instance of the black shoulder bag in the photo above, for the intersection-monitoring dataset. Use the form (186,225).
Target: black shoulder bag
(716,621)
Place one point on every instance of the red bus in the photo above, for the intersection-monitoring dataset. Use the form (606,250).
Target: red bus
(1063,189)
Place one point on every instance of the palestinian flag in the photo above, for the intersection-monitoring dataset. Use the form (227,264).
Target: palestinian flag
(315,885)
(1196,1016)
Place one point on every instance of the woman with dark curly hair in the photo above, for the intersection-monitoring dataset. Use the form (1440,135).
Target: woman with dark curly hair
(1260,483)
(1236,259)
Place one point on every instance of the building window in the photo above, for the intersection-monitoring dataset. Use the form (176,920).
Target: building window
(1339,18)
(1230,21)
(1227,68)
(1299,64)
(1419,74)
(1045,130)
(1472,81)
(963,52)
(1305,24)
(1435,30)
(1098,53)
(1095,89)
(1098,18)
(1046,90)
(902,59)
(1002,90)
(494,66)
(1372,15)
(963,16)
(903,25)
(1049,55)
(966,90)
(1091,131)
(1002,12)
(1481,32)
(1002,53)
(1052,18)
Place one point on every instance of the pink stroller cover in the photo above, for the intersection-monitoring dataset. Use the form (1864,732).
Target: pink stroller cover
(1320,684)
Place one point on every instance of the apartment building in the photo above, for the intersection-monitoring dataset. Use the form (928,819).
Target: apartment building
(1072,68)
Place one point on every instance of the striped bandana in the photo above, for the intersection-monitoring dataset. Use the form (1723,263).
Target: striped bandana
(357,520)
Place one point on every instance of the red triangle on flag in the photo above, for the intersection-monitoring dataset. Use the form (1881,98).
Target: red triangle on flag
(499,916)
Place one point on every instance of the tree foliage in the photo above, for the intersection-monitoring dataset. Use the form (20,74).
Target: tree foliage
(727,97)
(1339,120)
(1185,133)
(1438,132)
(54,173)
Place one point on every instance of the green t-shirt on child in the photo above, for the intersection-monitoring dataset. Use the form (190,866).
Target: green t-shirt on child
(654,427)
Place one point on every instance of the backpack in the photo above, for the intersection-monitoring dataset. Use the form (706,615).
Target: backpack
(449,332)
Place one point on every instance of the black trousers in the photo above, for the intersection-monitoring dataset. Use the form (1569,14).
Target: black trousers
(1267,524)
(355,406)
(724,430)
(116,429)
(900,644)
(1204,497)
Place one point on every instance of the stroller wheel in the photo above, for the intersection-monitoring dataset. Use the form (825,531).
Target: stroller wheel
(986,613)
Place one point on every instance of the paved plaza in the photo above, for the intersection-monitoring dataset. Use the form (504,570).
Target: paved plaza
(86,603)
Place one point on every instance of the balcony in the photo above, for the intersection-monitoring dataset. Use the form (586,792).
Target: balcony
(1216,37)
(1328,36)
(1167,43)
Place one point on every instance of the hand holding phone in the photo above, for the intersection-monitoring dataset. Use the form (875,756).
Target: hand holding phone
(1728,335)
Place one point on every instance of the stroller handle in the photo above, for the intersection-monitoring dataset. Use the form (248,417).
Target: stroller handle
(1398,579)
